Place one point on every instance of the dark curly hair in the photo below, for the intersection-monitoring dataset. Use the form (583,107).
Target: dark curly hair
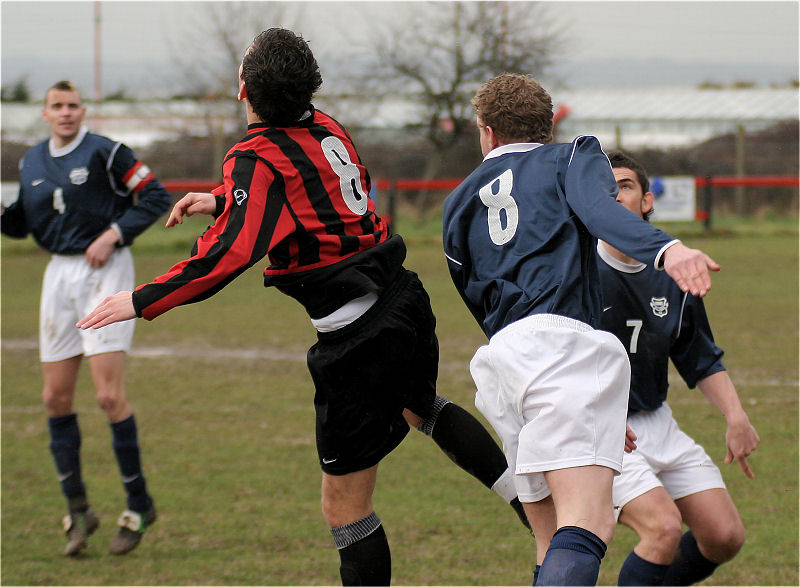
(280,75)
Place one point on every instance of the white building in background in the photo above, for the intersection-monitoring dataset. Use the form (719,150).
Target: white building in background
(136,123)
(671,117)
(657,117)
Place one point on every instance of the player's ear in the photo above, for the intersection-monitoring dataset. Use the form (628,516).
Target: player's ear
(493,141)
(242,93)
(647,202)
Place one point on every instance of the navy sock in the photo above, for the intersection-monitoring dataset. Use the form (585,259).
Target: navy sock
(689,566)
(363,552)
(65,444)
(126,448)
(573,558)
(638,571)
(536,570)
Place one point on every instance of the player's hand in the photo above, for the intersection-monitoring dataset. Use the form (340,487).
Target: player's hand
(741,439)
(116,308)
(98,253)
(191,203)
(630,439)
(689,268)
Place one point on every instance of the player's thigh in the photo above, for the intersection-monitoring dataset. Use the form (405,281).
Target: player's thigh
(108,372)
(653,515)
(348,498)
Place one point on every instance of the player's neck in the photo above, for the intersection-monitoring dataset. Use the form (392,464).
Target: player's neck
(252,117)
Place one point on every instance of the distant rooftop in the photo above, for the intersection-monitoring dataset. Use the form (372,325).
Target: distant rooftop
(669,116)
(742,105)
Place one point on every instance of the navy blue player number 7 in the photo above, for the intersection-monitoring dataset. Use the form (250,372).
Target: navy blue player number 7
(637,328)
(500,200)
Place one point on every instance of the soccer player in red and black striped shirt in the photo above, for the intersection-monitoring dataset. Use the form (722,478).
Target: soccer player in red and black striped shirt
(295,189)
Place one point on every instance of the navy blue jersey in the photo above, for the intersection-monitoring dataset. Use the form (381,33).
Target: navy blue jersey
(656,322)
(69,196)
(519,232)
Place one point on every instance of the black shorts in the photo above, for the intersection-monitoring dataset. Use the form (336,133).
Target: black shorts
(368,371)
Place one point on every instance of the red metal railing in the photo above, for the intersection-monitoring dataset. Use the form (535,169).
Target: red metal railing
(402,185)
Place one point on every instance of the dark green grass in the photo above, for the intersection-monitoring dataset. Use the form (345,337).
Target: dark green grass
(226,423)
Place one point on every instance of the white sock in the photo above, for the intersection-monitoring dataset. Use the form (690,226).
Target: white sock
(505,487)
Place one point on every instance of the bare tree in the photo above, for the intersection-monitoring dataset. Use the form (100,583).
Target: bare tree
(209,50)
(208,53)
(438,53)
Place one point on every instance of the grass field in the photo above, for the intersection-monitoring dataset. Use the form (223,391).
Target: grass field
(224,404)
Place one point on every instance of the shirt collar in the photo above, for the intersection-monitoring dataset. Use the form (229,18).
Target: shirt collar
(615,263)
(70,146)
(511,148)
(306,118)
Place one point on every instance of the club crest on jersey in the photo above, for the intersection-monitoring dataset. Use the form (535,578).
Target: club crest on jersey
(240,196)
(79,175)
(660,306)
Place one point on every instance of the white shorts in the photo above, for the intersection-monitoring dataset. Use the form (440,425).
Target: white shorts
(666,457)
(70,290)
(556,392)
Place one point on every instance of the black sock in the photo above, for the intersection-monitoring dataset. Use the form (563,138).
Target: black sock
(536,570)
(126,448)
(65,444)
(464,439)
(364,552)
(573,558)
(689,566)
(638,571)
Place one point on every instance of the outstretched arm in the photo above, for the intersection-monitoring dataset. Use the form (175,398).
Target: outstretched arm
(689,268)
(116,308)
(191,203)
(741,438)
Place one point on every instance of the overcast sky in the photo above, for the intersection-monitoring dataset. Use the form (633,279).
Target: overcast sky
(757,41)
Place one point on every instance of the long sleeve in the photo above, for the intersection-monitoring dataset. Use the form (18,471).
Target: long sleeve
(239,238)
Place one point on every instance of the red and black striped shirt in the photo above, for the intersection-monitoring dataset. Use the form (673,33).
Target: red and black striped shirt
(299,195)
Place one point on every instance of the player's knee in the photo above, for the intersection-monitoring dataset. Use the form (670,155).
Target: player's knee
(663,532)
(111,402)
(338,512)
(57,402)
(339,509)
(606,528)
(724,543)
